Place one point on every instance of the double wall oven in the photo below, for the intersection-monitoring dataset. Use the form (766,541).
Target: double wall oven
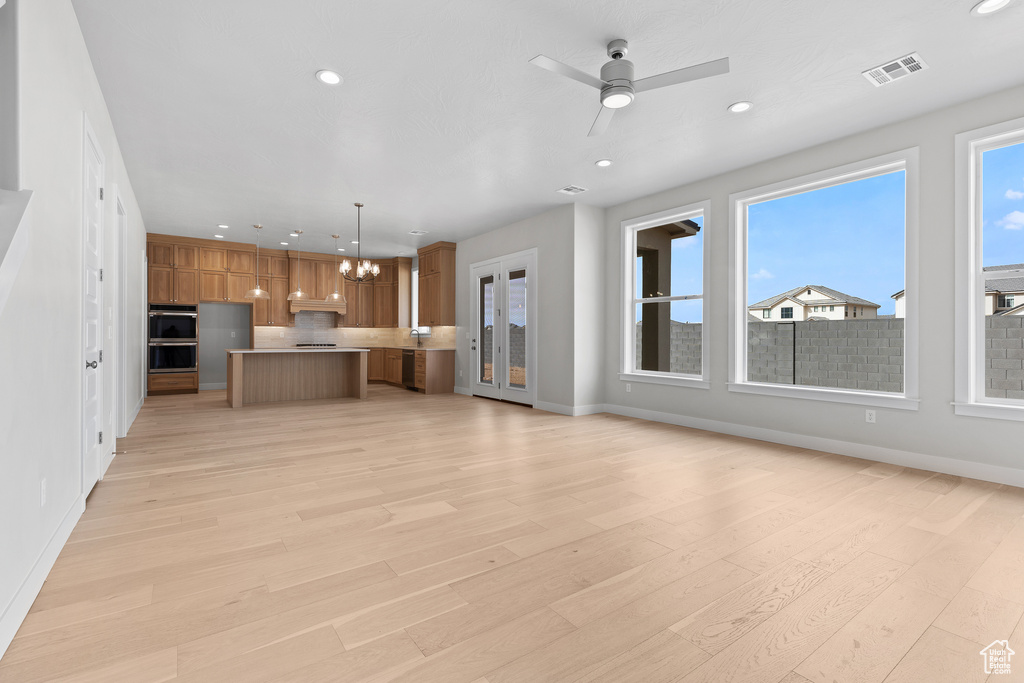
(173,338)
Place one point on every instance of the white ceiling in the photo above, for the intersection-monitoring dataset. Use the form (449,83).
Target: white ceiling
(442,125)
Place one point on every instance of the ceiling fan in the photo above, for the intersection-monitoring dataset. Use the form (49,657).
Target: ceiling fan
(616,82)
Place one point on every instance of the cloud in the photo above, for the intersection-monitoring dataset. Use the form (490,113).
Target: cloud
(765,275)
(1013,221)
(1013,194)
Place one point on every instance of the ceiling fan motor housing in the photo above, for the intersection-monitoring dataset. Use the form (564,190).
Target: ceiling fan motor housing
(618,74)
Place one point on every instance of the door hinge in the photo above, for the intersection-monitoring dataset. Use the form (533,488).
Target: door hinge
(101,437)
(101,194)
(101,275)
(101,355)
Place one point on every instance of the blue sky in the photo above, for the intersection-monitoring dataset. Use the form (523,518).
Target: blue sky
(1002,208)
(849,237)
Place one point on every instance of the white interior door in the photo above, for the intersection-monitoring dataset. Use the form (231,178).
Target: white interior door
(92,312)
(504,324)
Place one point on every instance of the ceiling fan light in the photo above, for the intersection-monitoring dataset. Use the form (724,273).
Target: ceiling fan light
(617,96)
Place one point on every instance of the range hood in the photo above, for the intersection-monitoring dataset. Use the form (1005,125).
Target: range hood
(338,306)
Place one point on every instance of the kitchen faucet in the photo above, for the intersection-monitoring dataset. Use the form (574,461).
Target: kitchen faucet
(419,341)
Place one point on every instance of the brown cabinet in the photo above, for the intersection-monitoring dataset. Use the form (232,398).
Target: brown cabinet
(393,366)
(172,276)
(238,285)
(173,383)
(274,266)
(307,281)
(435,371)
(384,306)
(437,284)
(359,304)
(273,311)
(241,261)
(213,259)
(375,365)
(325,279)
(220,287)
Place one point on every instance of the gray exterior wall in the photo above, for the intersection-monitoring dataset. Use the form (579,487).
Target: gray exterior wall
(844,354)
(1004,356)
(686,341)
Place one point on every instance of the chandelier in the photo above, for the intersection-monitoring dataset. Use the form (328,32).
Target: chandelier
(365,271)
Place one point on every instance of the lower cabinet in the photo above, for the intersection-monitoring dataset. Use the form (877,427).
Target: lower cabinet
(173,383)
(393,366)
(375,365)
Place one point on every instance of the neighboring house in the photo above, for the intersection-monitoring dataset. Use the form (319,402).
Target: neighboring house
(1003,295)
(813,302)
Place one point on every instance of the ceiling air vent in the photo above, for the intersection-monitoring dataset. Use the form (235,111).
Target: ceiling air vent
(572,189)
(417,232)
(895,70)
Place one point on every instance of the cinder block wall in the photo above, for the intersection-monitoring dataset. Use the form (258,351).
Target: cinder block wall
(1004,356)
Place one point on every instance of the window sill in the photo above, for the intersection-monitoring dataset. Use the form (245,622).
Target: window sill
(861,398)
(690,381)
(994,411)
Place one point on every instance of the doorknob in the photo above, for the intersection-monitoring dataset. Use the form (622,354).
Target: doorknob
(92,365)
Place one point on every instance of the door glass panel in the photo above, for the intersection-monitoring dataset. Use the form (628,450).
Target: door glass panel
(486,331)
(517,329)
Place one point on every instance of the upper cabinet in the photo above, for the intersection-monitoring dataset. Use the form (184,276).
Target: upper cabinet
(437,284)
(173,278)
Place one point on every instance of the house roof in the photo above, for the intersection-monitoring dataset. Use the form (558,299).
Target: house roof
(837,298)
(1016,310)
(1005,284)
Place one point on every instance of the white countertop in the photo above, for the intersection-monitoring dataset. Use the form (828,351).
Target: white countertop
(311,349)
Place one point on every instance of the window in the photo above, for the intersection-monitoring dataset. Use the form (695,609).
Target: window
(990,269)
(831,309)
(787,312)
(664,337)
(783,246)
(767,313)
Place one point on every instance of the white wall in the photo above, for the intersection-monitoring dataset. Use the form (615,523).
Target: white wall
(40,329)
(589,320)
(933,430)
(552,233)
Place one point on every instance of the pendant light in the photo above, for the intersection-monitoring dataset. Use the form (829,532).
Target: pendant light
(298,294)
(337,297)
(256,292)
(365,271)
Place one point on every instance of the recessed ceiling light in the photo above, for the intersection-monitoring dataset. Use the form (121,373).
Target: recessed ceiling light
(355,242)
(340,249)
(740,107)
(285,244)
(220,237)
(988,7)
(222,226)
(603,163)
(328,77)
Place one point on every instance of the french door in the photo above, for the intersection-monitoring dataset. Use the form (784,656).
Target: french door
(504,342)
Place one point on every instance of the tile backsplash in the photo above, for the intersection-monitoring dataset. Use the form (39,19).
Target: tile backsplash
(316,327)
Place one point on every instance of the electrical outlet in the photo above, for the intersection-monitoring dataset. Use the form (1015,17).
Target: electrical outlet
(232,334)
(42,493)
(282,335)
(460,373)
(869,416)
(629,388)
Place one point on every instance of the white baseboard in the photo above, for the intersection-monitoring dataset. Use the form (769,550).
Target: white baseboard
(934,463)
(554,408)
(464,391)
(210,386)
(135,413)
(16,611)
(589,410)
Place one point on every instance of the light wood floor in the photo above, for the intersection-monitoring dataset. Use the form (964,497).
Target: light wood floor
(444,538)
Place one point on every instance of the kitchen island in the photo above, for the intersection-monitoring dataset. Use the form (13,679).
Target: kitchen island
(292,374)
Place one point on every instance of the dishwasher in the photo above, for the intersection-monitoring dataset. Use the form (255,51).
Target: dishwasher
(409,368)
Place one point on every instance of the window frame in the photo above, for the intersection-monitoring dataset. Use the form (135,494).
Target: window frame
(969,387)
(904,160)
(627,354)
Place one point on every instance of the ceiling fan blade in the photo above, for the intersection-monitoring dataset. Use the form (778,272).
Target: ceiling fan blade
(604,117)
(690,73)
(568,71)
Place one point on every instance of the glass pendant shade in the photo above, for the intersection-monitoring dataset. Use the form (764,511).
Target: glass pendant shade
(298,294)
(336,297)
(256,292)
